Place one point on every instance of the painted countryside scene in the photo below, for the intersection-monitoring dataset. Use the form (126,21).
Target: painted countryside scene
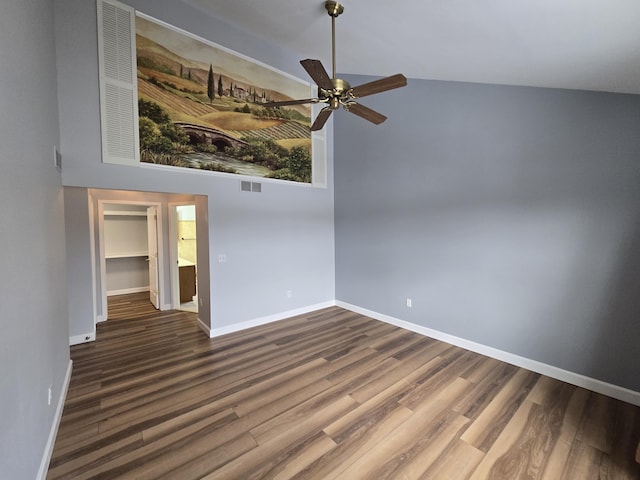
(200,106)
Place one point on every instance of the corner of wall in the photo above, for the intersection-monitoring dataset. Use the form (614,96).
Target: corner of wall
(48,451)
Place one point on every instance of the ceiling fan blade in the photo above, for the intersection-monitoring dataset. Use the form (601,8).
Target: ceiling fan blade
(365,112)
(317,72)
(321,119)
(290,102)
(382,85)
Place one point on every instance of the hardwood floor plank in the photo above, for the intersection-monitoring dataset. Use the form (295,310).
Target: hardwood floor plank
(597,425)
(458,461)
(202,434)
(327,394)
(290,382)
(437,378)
(272,457)
(382,458)
(483,392)
(570,422)
(301,404)
(505,440)
(210,460)
(294,466)
(187,458)
(385,376)
(417,458)
(585,463)
(493,419)
(625,442)
(76,464)
(355,442)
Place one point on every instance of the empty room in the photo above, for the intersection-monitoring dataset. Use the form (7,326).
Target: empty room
(320,240)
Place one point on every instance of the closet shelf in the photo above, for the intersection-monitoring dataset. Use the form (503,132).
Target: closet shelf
(126,255)
(125,213)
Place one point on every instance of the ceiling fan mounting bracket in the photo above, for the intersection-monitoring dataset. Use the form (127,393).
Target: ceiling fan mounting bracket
(333,8)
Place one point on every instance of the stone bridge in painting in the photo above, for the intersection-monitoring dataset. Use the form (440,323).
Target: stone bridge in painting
(201,135)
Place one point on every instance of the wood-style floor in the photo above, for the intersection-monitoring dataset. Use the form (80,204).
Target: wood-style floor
(327,395)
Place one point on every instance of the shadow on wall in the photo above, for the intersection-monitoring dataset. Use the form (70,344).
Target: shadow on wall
(617,342)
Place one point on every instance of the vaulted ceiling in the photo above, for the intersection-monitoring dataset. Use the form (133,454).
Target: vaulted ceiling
(579,44)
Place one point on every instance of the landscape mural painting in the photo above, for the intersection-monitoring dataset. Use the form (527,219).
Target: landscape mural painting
(200,106)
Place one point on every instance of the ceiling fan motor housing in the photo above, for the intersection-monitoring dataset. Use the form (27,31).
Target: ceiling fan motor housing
(340,94)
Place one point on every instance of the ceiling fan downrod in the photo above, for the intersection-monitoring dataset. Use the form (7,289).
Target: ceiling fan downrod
(334,9)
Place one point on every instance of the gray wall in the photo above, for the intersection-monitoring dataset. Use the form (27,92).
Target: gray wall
(34,352)
(281,239)
(509,215)
(79,267)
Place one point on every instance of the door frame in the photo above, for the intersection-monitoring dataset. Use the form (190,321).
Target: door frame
(152,256)
(101,249)
(174,272)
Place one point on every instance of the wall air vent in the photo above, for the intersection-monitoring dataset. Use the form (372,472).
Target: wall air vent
(246,186)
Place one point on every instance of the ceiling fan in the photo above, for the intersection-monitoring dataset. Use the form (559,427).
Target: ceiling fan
(334,91)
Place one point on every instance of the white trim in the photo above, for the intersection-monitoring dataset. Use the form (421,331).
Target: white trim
(205,328)
(103,261)
(173,254)
(92,238)
(83,338)
(614,391)
(48,449)
(124,291)
(229,176)
(236,327)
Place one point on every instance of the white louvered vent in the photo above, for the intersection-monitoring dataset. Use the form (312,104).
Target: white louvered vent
(118,94)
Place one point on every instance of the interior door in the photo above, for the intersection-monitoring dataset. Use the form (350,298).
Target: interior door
(152,238)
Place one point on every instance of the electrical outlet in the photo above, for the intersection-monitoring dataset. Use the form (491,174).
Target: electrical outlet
(409,303)
(222,258)
(289,294)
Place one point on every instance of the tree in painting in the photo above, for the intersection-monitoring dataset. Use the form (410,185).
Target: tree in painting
(210,83)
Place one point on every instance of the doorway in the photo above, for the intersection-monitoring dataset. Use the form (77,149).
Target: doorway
(184,261)
(130,254)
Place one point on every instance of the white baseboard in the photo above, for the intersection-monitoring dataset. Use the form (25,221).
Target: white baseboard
(204,327)
(614,391)
(48,449)
(124,291)
(86,337)
(216,332)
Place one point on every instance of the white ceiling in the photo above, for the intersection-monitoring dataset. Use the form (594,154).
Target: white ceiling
(579,44)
